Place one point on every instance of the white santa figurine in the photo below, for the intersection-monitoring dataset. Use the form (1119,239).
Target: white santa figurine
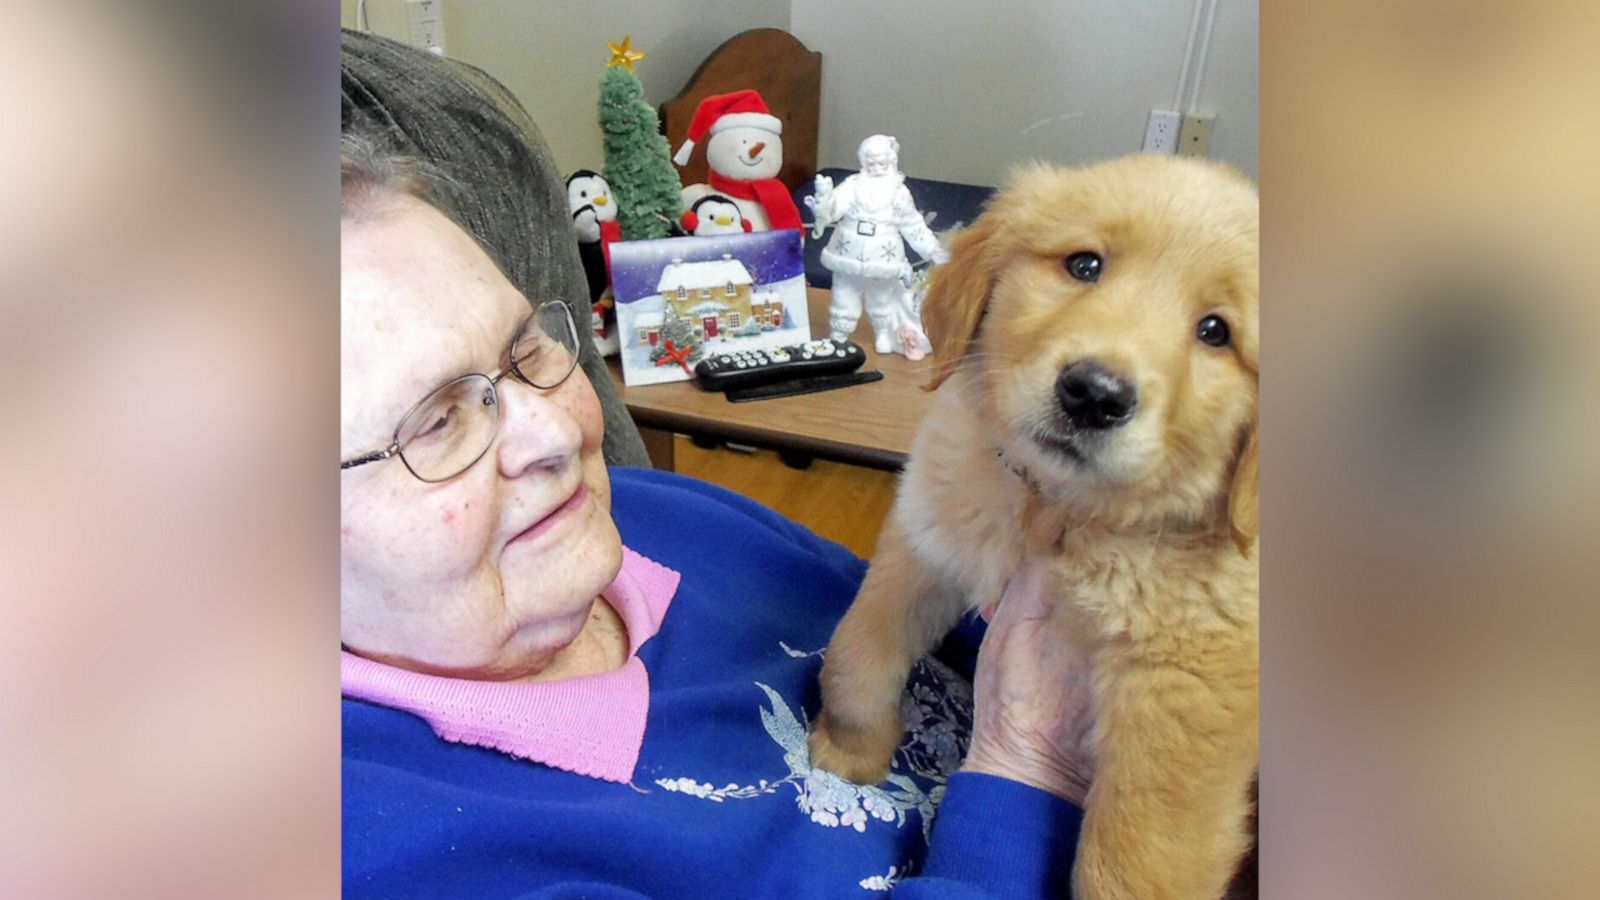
(714,214)
(876,217)
(744,153)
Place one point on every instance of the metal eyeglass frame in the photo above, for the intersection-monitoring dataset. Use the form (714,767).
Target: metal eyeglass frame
(494,396)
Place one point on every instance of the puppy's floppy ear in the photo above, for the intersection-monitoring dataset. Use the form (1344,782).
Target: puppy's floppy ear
(957,297)
(1244,500)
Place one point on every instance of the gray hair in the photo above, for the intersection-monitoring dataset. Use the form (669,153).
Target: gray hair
(372,176)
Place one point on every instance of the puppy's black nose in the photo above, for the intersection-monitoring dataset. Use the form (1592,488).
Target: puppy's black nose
(1094,397)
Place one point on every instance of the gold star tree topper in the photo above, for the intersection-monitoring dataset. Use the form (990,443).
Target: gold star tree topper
(623,54)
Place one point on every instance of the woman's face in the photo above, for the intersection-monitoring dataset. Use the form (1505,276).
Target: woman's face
(491,573)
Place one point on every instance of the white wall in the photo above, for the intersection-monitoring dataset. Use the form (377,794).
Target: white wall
(973,88)
(1231,86)
(970,87)
(551,53)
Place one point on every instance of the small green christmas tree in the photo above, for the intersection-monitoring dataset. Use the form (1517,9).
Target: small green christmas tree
(679,329)
(638,162)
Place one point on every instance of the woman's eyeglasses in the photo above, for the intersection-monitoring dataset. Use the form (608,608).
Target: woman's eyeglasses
(452,428)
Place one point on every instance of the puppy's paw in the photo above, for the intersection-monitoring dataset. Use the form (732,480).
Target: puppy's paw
(857,755)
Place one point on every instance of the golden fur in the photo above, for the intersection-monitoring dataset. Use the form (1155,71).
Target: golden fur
(1153,524)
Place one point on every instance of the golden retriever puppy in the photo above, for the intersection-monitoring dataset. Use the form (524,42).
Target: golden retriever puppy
(1096,358)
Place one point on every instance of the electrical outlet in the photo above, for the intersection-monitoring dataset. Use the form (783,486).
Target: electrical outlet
(1161,133)
(1194,139)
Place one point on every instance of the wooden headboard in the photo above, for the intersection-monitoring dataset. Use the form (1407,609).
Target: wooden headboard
(776,65)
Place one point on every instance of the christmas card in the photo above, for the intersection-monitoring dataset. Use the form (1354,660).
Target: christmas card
(680,299)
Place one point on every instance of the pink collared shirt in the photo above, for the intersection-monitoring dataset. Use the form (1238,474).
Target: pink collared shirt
(593,725)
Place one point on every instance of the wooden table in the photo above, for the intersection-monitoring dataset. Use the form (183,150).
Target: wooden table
(866,424)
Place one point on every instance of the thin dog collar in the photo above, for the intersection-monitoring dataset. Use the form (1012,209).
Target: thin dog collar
(1019,471)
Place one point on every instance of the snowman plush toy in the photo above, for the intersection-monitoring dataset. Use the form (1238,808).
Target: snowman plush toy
(744,151)
(715,214)
(594,220)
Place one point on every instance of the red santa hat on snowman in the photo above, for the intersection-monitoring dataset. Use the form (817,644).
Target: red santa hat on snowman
(723,111)
(741,109)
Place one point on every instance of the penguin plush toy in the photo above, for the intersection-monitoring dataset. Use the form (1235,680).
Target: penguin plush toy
(714,214)
(594,219)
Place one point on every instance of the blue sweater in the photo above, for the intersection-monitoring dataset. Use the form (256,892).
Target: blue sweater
(723,803)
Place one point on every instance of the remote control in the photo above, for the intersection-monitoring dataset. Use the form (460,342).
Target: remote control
(747,368)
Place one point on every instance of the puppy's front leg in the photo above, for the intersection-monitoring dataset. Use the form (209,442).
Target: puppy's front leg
(896,618)
(1167,813)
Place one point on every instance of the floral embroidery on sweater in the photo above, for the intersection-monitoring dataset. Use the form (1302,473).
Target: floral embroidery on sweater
(936,711)
(884,882)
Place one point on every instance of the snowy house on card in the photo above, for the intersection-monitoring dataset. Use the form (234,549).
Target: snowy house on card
(717,295)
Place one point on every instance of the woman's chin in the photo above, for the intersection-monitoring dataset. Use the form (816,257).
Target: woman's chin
(535,646)
(587,555)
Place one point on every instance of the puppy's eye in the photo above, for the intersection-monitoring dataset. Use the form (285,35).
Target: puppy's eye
(1085,266)
(1212,330)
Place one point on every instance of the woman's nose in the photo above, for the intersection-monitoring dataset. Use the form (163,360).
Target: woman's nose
(537,430)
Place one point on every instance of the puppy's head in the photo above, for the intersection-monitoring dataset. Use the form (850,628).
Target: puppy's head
(1108,318)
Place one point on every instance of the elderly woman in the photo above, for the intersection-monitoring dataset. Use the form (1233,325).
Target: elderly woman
(562,680)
